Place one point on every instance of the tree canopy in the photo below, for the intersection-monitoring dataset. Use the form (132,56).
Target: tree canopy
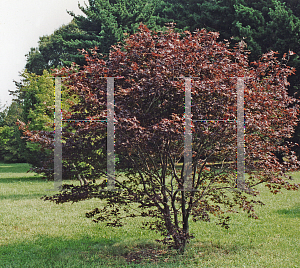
(150,125)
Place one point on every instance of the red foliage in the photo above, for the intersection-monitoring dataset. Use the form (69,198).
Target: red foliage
(149,128)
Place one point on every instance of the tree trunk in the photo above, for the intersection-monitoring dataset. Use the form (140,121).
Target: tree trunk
(82,179)
(185,233)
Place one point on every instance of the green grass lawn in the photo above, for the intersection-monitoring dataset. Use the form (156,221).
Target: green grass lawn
(35,233)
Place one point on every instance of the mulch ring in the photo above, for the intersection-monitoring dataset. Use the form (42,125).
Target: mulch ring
(139,255)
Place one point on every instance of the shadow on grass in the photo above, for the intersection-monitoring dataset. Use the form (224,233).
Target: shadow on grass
(56,252)
(292,212)
(87,251)
(83,252)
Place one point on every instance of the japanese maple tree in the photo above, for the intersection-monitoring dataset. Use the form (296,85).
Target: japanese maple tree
(149,94)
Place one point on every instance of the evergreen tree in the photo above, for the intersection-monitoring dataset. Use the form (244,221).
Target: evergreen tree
(104,24)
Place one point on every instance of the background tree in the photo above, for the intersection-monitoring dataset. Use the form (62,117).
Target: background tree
(35,94)
(12,147)
(294,5)
(103,24)
(57,49)
(3,111)
(149,130)
(33,103)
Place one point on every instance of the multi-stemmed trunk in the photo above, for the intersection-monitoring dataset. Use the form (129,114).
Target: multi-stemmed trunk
(180,235)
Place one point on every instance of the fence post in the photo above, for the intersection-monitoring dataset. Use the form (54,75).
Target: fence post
(240,134)
(57,138)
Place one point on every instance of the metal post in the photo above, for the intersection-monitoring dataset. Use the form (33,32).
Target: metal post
(110,135)
(57,138)
(188,182)
(240,135)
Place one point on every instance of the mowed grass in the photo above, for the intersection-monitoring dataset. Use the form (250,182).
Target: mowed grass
(35,233)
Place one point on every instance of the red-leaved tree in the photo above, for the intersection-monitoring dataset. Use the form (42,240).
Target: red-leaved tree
(150,124)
